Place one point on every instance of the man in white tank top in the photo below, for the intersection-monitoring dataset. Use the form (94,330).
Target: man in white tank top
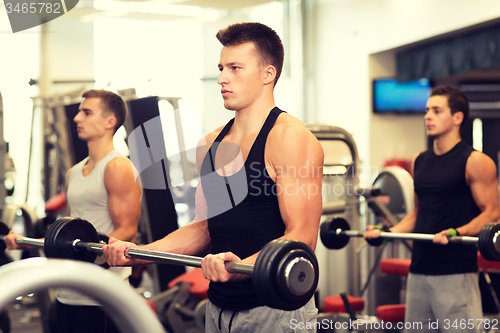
(101,189)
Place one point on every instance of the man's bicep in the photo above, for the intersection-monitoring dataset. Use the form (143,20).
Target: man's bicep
(124,195)
(300,203)
(299,188)
(482,175)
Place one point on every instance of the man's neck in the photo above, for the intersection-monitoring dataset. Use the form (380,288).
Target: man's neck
(445,143)
(98,149)
(251,119)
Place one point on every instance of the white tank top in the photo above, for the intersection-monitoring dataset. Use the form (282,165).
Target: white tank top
(88,199)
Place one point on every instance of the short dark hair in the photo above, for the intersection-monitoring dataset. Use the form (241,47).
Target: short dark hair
(266,41)
(111,103)
(457,100)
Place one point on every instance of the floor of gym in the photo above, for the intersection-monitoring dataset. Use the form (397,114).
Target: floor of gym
(25,316)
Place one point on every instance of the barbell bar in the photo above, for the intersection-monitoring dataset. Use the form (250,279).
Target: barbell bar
(335,234)
(285,274)
(27,241)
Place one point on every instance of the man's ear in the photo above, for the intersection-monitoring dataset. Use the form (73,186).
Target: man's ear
(458,118)
(269,74)
(110,121)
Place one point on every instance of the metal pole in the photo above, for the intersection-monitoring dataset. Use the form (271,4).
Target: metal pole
(410,236)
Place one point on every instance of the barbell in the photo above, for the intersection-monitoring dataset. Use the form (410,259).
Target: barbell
(335,234)
(285,274)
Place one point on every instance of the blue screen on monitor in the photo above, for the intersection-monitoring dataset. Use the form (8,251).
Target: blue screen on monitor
(391,96)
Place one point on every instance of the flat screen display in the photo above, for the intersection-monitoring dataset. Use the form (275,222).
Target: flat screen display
(408,97)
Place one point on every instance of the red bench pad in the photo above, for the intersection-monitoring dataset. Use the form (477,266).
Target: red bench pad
(335,304)
(199,285)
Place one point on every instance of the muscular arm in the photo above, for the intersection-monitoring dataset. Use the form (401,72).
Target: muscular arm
(124,199)
(480,174)
(296,159)
(298,164)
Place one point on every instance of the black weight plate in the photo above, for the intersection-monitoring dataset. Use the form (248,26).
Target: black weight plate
(486,241)
(65,232)
(328,234)
(48,246)
(76,228)
(267,277)
(4,230)
(287,298)
(49,243)
(103,238)
(264,284)
(305,281)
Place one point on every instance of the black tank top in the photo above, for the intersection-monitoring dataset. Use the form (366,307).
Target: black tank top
(444,201)
(243,214)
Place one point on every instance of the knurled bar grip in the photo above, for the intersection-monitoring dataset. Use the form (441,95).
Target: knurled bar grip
(411,236)
(168,258)
(172,258)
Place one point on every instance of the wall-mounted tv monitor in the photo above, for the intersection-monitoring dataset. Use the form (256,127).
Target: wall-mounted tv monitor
(390,96)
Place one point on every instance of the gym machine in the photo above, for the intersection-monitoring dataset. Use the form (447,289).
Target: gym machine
(389,198)
(340,270)
(396,185)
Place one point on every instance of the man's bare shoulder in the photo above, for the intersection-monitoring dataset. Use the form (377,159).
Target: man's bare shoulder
(67,176)
(291,136)
(287,127)
(119,162)
(205,143)
(120,175)
(210,137)
(70,170)
(118,167)
(479,164)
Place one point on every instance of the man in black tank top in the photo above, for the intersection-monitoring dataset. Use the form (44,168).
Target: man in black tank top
(267,188)
(456,193)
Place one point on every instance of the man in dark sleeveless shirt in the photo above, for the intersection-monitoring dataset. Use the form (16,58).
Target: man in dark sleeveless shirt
(280,163)
(455,194)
